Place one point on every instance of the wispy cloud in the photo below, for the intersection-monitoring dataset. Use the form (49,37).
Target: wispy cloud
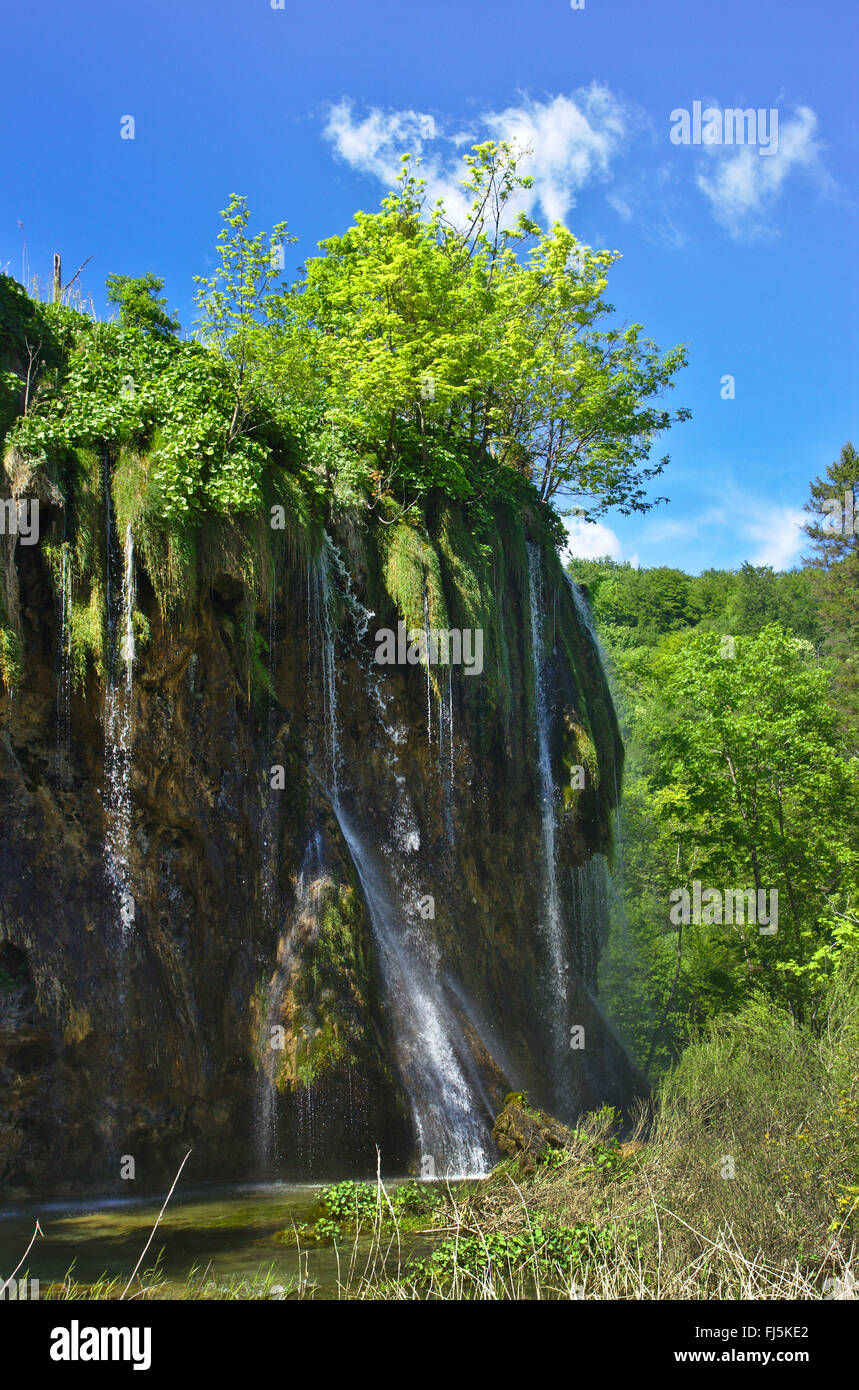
(579,141)
(780,537)
(744,187)
(741,525)
(571,142)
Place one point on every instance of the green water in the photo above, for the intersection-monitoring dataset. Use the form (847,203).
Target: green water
(230,1233)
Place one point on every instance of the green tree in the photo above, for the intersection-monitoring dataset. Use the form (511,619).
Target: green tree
(834,534)
(235,304)
(140,305)
(435,346)
(752,789)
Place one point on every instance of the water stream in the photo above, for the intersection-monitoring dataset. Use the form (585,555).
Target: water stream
(64,665)
(552,923)
(443,1089)
(118,730)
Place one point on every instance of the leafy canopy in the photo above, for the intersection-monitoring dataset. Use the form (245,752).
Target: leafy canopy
(139,303)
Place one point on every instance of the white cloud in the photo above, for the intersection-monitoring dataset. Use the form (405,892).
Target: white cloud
(780,535)
(572,141)
(745,185)
(375,143)
(739,526)
(590,540)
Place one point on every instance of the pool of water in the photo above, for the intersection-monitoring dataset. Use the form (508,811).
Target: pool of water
(231,1234)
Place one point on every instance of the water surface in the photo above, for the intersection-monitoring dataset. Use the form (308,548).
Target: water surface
(231,1233)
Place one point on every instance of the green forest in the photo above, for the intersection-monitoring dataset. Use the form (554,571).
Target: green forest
(737,692)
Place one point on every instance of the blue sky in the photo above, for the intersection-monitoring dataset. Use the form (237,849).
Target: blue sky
(748,257)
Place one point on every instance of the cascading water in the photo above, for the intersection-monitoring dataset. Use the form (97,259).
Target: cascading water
(445,1103)
(552,920)
(270,1052)
(583,611)
(64,665)
(445,1100)
(320,597)
(429,678)
(589,910)
(586,617)
(552,916)
(271,811)
(118,719)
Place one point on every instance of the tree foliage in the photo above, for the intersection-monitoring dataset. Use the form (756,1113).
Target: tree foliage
(140,304)
(740,775)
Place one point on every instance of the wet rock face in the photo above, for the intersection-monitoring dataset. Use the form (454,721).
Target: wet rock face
(249,1006)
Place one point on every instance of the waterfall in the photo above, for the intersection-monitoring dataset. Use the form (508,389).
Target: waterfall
(271,804)
(552,921)
(127,651)
(445,1101)
(320,598)
(584,612)
(552,924)
(427,649)
(589,902)
(586,618)
(619,940)
(265,1106)
(64,664)
(118,718)
(450,716)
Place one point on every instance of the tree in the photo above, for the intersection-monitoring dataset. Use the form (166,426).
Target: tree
(579,400)
(834,533)
(749,781)
(437,345)
(235,304)
(140,305)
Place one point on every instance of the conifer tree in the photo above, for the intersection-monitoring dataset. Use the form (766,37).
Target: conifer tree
(834,533)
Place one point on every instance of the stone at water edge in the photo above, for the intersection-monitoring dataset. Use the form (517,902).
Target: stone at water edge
(524,1133)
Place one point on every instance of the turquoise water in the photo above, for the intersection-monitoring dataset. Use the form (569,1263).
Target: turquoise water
(230,1233)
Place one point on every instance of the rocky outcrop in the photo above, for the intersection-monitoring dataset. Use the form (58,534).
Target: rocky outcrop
(527,1134)
(335,878)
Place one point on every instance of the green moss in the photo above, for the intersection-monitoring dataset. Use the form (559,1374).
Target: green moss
(579,751)
(319,1051)
(11,657)
(88,640)
(335,993)
(413,578)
